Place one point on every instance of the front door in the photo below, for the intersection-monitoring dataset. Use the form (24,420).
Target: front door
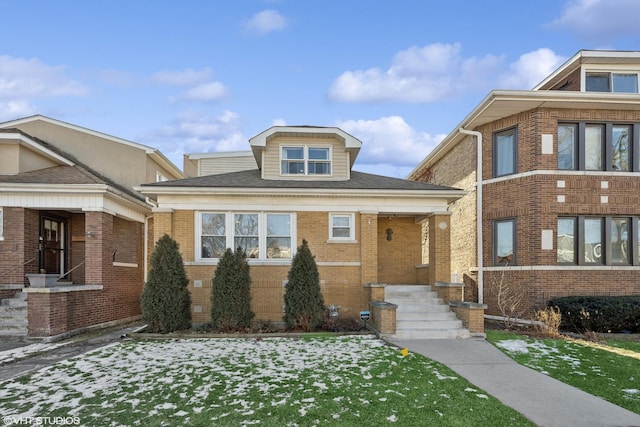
(52,238)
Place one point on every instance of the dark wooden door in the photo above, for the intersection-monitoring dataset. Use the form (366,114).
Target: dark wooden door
(52,235)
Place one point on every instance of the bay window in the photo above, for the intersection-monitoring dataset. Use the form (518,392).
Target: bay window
(504,242)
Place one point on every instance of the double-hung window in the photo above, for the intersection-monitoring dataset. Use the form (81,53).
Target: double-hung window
(597,146)
(305,160)
(505,149)
(261,235)
(341,227)
(504,242)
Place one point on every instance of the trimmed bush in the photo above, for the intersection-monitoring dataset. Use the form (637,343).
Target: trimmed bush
(231,293)
(166,302)
(304,305)
(599,313)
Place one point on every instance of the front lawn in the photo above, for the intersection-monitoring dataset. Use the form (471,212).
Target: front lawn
(608,371)
(353,380)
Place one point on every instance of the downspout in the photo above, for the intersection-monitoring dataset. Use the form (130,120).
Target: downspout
(478,136)
(146,237)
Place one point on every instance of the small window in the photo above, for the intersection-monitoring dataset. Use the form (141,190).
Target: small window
(342,227)
(246,234)
(305,161)
(504,153)
(504,243)
(567,144)
(213,235)
(566,240)
(619,240)
(278,236)
(292,161)
(620,160)
(611,82)
(592,237)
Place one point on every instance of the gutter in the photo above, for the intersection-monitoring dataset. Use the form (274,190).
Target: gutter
(480,250)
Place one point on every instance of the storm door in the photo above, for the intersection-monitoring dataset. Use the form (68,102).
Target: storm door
(52,241)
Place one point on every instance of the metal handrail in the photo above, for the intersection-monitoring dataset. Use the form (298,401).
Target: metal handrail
(18,267)
(62,275)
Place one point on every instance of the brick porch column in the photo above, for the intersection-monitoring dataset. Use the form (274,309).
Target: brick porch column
(439,247)
(98,247)
(369,247)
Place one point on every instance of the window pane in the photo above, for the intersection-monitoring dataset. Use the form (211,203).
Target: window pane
(597,82)
(593,147)
(246,234)
(341,221)
(318,154)
(620,148)
(566,240)
(504,242)
(278,236)
(293,153)
(213,246)
(213,224)
(620,240)
(341,232)
(625,83)
(566,147)
(319,168)
(292,168)
(593,241)
(505,153)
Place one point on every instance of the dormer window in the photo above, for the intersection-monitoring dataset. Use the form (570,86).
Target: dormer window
(611,82)
(305,160)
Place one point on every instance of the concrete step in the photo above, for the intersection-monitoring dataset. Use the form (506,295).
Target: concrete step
(13,302)
(428,324)
(416,300)
(433,334)
(426,315)
(407,288)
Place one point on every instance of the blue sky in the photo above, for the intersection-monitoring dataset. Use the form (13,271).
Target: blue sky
(201,76)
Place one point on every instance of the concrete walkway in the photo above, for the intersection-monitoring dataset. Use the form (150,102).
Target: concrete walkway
(542,399)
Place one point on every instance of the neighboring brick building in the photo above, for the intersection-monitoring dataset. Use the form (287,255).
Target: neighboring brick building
(69,215)
(363,229)
(560,184)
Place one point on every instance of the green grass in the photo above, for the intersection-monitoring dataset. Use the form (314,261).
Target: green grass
(613,377)
(348,381)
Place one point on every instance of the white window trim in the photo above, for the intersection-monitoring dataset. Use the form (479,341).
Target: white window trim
(1,224)
(352,227)
(305,159)
(230,236)
(160,177)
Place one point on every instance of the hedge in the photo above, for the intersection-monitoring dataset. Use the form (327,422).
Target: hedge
(599,313)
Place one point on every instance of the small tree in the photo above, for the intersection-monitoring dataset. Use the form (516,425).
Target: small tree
(231,292)
(304,306)
(166,302)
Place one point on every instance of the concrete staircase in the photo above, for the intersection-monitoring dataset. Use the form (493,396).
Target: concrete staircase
(13,317)
(422,315)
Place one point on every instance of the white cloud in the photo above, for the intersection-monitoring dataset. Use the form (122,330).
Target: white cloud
(193,132)
(206,92)
(22,79)
(188,77)
(265,22)
(418,74)
(530,69)
(12,109)
(600,20)
(391,141)
(439,71)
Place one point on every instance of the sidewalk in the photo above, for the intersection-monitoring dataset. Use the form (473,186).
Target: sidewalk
(542,399)
(32,357)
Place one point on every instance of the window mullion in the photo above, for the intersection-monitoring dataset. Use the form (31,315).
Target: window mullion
(581,146)
(635,147)
(606,251)
(262,235)
(608,147)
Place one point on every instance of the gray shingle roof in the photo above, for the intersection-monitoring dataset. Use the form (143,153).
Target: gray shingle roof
(252,179)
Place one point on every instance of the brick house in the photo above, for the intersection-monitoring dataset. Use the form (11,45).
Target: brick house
(556,211)
(69,216)
(365,230)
